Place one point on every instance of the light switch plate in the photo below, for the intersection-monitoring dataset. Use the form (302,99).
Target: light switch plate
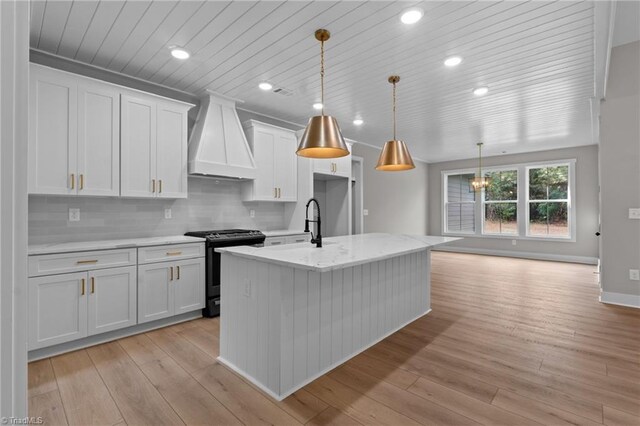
(74,215)
(634,213)
(252,213)
(514,242)
(634,274)
(365,212)
(167,213)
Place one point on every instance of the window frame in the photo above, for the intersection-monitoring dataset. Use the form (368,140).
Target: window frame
(516,202)
(522,202)
(446,203)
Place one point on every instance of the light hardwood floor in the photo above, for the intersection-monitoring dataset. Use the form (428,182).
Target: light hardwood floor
(509,342)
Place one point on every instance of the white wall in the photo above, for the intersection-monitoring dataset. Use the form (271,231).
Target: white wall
(586,244)
(620,174)
(397,201)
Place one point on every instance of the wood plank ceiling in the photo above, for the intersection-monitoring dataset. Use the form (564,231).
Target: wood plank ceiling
(536,58)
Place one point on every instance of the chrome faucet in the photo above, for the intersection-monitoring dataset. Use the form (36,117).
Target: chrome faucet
(317,240)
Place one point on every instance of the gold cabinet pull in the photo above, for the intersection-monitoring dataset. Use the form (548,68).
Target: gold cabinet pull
(93,285)
(171,271)
(153,185)
(279,192)
(81,181)
(73,181)
(275,192)
(178,271)
(82,292)
(160,186)
(86,262)
(174,253)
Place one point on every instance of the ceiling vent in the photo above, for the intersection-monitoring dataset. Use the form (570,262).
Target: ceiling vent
(283,91)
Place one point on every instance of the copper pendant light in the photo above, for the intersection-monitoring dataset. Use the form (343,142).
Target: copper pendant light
(477,183)
(395,156)
(322,137)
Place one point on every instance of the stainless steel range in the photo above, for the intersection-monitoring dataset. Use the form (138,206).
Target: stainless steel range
(221,238)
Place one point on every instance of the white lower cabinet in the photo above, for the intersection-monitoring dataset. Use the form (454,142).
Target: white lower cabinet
(57,309)
(170,288)
(112,299)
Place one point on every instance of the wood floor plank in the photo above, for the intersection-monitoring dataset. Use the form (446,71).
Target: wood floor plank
(48,407)
(356,405)
(85,396)
(41,377)
(142,349)
(613,417)
(202,338)
(193,403)
(248,404)
(383,370)
(302,405)
(185,353)
(138,400)
(333,417)
(538,411)
(209,324)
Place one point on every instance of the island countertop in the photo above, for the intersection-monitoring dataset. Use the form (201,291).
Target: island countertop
(339,252)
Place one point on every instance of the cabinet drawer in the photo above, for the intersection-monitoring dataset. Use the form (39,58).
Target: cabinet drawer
(302,238)
(275,241)
(170,252)
(59,263)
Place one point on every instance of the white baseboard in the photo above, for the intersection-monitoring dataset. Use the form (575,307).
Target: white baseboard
(520,254)
(622,299)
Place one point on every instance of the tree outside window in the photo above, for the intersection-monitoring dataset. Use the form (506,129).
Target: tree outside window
(501,203)
(549,201)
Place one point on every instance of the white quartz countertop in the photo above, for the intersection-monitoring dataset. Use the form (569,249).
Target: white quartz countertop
(283,232)
(110,244)
(339,252)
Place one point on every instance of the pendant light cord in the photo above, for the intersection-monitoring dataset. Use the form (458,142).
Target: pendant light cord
(394,111)
(322,75)
(480,160)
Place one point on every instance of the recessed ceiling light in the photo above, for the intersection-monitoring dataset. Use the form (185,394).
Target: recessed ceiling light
(179,53)
(481,91)
(265,85)
(411,16)
(453,61)
(317,105)
(358,121)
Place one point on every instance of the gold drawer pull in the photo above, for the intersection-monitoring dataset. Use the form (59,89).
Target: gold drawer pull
(171,271)
(86,262)
(153,185)
(81,181)
(178,270)
(82,293)
(174,253)
(160,186)
(93,285)
(73,181)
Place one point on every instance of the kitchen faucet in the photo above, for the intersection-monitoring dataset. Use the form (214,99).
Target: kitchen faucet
(318,238)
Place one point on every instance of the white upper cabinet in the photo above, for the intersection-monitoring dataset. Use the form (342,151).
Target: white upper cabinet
(154,147)
(89,137)
(334,166)
(53,132)
(274,151)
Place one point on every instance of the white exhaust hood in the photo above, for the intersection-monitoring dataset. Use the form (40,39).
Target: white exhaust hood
(218,146)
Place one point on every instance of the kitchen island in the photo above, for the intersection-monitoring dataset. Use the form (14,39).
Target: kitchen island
(291,313)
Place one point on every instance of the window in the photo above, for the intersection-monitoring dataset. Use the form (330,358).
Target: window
(548,201)
(522,201)
(500,205)
(460,204)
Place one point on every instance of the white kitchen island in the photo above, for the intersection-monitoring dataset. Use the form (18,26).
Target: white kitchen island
(291,313)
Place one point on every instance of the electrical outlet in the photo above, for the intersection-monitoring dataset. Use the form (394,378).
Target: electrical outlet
(247,288)
(365,212)
(634,274)
(634,213)
(514,242)
(74,215)
(252,213)
(167,213)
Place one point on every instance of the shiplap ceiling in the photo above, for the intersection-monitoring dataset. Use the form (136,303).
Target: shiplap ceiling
(537,58)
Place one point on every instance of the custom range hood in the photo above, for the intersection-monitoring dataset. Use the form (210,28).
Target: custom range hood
(218,146)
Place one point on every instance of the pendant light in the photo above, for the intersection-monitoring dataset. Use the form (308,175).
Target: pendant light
(322,137)
(395,156)
(479,182)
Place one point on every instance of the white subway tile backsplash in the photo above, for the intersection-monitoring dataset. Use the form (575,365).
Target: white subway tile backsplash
(211,204)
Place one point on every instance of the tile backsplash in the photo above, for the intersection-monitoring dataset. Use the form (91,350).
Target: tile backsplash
(212,204)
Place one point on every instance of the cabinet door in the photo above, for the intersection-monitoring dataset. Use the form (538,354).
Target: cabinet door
(138,147)
(264,141)
(112,299)
(189,285)
(155,295)
(342,166)
(98,140)
(53,126)
(286,167)
(57,309)
(323,165)
(171,151)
